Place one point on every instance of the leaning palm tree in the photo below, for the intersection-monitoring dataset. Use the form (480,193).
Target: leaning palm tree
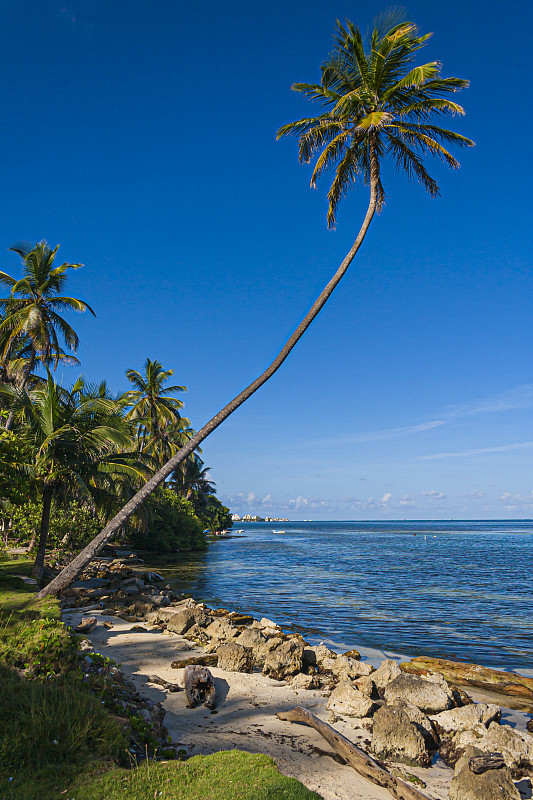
(32,308)
(376,103)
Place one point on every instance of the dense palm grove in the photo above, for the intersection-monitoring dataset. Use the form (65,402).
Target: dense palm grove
(71,457)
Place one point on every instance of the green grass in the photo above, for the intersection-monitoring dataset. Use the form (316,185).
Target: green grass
(58,741)
(228,775)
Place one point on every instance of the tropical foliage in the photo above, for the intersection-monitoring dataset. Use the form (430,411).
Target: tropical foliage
(70,457)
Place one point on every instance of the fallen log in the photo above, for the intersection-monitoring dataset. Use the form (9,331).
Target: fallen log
(494,680)
(353,756)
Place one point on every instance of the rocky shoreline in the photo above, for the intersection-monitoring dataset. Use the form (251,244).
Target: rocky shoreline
(403,719)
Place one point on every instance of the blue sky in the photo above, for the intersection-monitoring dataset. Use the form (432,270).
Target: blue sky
(141,136)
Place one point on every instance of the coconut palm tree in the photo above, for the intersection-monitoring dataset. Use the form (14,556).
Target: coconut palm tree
(191,481)
(377,103)
(73,438)
(32,308)
(152,408)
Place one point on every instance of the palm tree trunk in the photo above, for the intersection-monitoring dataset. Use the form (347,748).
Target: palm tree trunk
(38,566)
(9,422)
(85,557)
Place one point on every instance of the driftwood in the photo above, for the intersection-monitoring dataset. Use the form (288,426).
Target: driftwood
(199,686)
(493,680)
(209,660)
(170,687)
(479,764)
(354,757)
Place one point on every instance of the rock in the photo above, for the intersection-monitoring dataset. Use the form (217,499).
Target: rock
(234,657)
(150,577)
(529,725)
(267,623)
(166,613)
(423,725)
(301,681)
(196,634)
(353,654)
(285,660)
(345,668)
(395,737)
(309,658)
(183,620)
(452,747)
(261,652)
(461,719)
(138,629)
(210,660)
(240,619)
(472,675)
(346,699)
(515,747)
(160,600)
(251,637)
(366,685)
(322,652)
(86,625)
(429,697)
(140,608)
(495,783)
(385,673)
(222,629)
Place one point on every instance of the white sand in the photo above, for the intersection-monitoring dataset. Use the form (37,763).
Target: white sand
(246,714)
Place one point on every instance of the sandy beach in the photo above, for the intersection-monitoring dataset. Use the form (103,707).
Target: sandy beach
(245,717)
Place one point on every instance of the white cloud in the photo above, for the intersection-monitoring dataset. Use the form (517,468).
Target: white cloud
(475,494)
(386,498)
(519,397)
(478,451)
(434,495)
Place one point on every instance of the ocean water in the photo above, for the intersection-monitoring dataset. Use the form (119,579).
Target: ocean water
(460,590)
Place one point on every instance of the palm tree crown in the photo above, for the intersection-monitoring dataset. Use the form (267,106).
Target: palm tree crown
(150,402)
(32,308)
(378,104)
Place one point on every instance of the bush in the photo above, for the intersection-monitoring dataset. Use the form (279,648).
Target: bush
(173,525)
(73,523)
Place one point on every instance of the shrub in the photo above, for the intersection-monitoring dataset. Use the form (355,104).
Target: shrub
(72,525)
(173,525)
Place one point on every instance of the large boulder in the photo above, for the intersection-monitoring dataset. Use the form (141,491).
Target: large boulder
(395,737)
(450,722)
(489,785)
(234,657)
(430,697)
(263,650)
(515,747)
(346,699)
(251,637)
(220,628)
(302,681)
(346,668)
(181,621)
(385,673)
(285,660)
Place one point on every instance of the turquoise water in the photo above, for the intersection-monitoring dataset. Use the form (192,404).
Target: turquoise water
(460,590)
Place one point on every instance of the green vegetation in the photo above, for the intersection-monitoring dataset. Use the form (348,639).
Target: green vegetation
(70,457)
(230,775)
(377,103)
